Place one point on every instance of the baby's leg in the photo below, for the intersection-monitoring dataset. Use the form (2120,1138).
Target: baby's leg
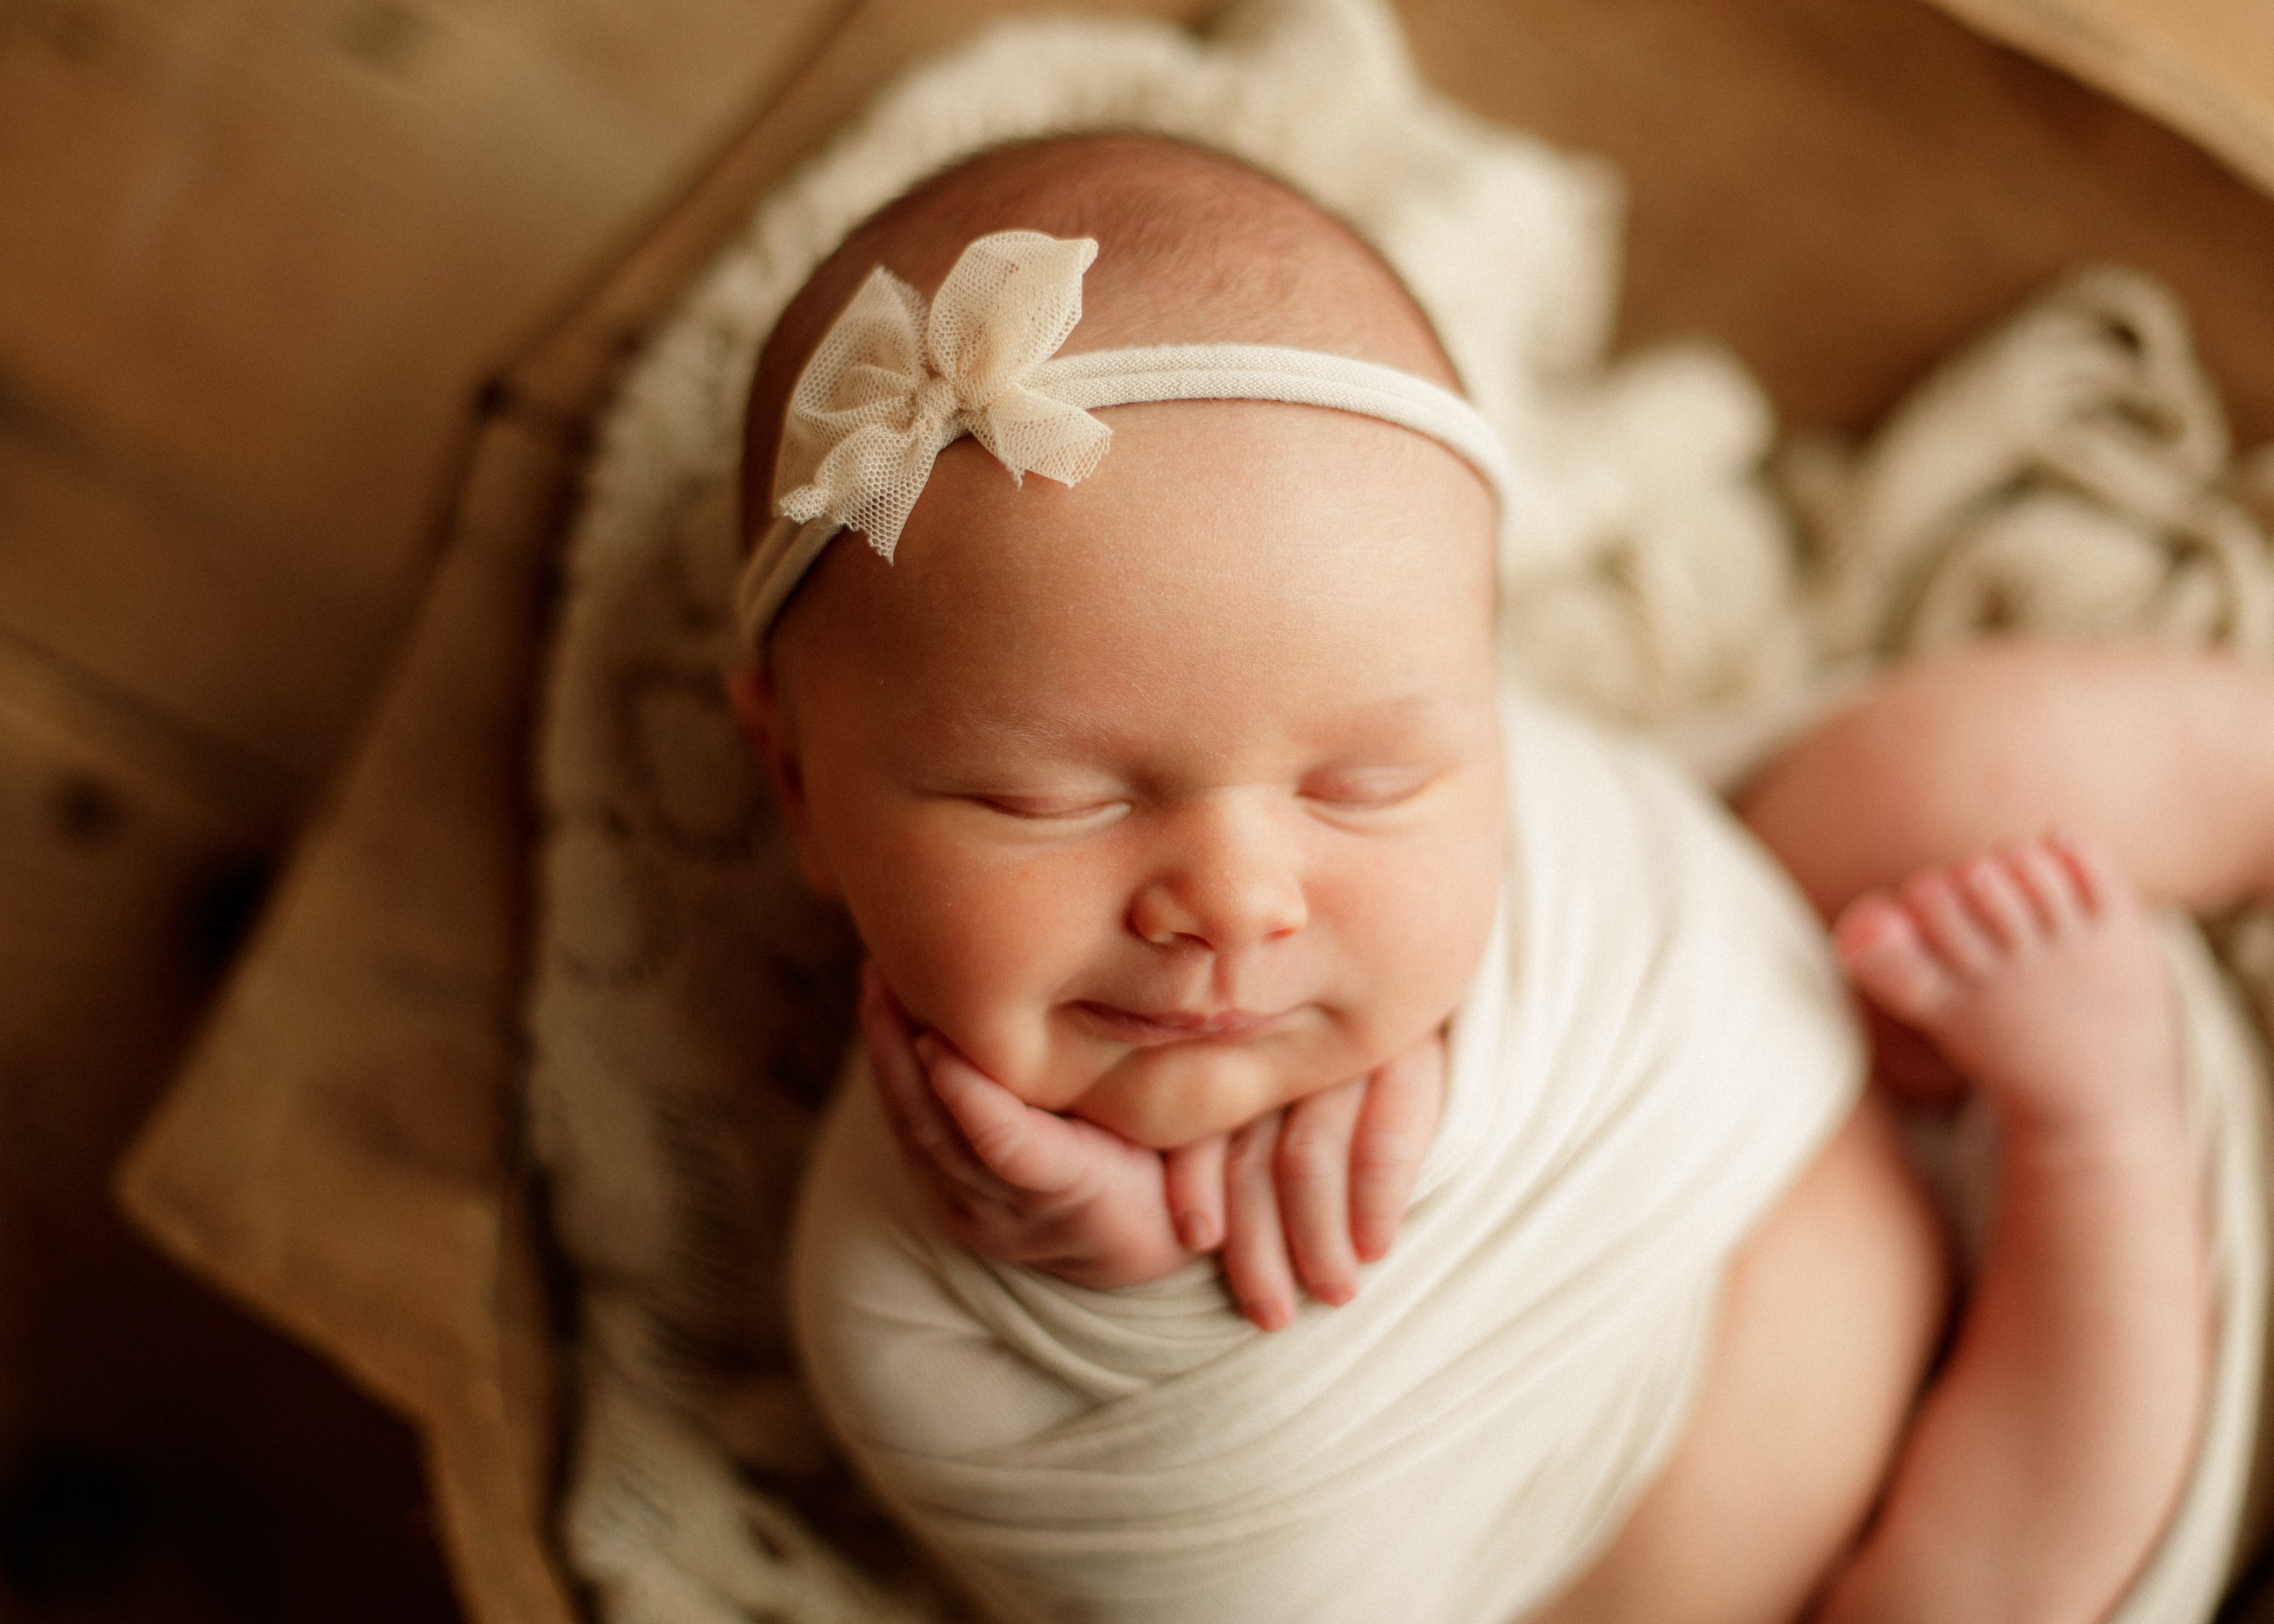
(2045,1460)
(2164,758)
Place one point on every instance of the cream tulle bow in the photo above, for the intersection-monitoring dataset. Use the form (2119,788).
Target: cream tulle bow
(894,382)
(893,385)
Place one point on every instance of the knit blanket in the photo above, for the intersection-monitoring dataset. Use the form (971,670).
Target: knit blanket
(689,1003)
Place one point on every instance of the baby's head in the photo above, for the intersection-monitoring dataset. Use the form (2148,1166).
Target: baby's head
(1172,795)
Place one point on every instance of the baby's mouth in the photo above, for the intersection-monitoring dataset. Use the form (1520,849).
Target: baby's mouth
(1150,1028)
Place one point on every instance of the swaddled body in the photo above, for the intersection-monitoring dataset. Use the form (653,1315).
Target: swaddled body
(1656,1045)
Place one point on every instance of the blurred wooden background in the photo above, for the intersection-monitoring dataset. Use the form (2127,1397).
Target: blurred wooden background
(258,260)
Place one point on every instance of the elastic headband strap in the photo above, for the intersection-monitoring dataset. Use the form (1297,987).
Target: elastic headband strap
(894,382)
(1100,378)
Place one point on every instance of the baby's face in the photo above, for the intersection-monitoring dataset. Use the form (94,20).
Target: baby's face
(1175,796)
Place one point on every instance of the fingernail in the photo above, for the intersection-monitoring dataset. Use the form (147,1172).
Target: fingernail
(1195,1231)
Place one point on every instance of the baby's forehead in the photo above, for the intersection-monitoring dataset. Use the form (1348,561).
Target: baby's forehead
(1193,248)
(1262,535)
(1190,248)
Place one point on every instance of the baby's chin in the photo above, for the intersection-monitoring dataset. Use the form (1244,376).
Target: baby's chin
(1179,1093)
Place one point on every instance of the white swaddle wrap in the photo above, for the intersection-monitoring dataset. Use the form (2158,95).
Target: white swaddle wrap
(1656,1045)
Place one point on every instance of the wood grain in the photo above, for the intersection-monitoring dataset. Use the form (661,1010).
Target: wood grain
(161,1456)
(2205,67)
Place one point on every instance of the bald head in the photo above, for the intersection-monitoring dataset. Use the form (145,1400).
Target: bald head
(1193,247)
(1209,735)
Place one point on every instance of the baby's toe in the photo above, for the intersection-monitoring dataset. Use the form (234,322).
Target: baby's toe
(1996,898)
(1879,941)
(2099,887)
(2055,894)
(1945,920)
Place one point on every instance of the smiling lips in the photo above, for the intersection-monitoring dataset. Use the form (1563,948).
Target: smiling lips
(1161,1026)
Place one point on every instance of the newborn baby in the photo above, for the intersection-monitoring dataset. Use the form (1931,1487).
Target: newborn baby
(1203,868)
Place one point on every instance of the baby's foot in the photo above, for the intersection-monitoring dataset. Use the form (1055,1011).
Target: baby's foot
(2034,970)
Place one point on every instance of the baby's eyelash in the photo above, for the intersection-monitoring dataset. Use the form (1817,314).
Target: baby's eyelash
(1369,792)
(1038,808)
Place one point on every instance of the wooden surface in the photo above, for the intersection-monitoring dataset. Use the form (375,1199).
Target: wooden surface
(566,375)
(161,1455)
(257,261)
(336,1147)
(2205,67)
(260,262)
(1844,192)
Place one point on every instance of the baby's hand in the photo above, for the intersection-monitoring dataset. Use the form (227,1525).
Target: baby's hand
(1312,1191)
(1016,1183)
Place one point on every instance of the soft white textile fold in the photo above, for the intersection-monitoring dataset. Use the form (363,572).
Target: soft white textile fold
(1656,1045)
(2068,473)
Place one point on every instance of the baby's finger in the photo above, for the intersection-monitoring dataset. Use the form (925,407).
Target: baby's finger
(1193,1176)
(1254,1244)
(1396,1123)
(926,1133)
(1312,1169)
(1028,1149)
(890,1037)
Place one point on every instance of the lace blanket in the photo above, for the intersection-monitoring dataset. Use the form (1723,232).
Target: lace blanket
(689,1006)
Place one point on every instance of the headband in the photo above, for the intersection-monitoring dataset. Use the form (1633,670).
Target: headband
(893,383)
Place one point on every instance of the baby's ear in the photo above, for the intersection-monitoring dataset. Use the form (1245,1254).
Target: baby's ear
(757,708)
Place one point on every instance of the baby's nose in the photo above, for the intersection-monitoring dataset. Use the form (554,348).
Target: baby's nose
(1227,880)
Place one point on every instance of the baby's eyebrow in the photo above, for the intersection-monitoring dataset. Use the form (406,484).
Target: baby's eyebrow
(1045,734)
(1027,731)
(1394,707)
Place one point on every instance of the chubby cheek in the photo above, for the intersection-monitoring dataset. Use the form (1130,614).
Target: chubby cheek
(982,953)
(1414,925)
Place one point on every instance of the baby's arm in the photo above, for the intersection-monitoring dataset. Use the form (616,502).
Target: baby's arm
(1306,1192)
(2045,1459)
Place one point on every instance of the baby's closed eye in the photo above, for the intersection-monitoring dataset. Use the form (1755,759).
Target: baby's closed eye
(1341,791)
(1367,789)
(1070,806)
